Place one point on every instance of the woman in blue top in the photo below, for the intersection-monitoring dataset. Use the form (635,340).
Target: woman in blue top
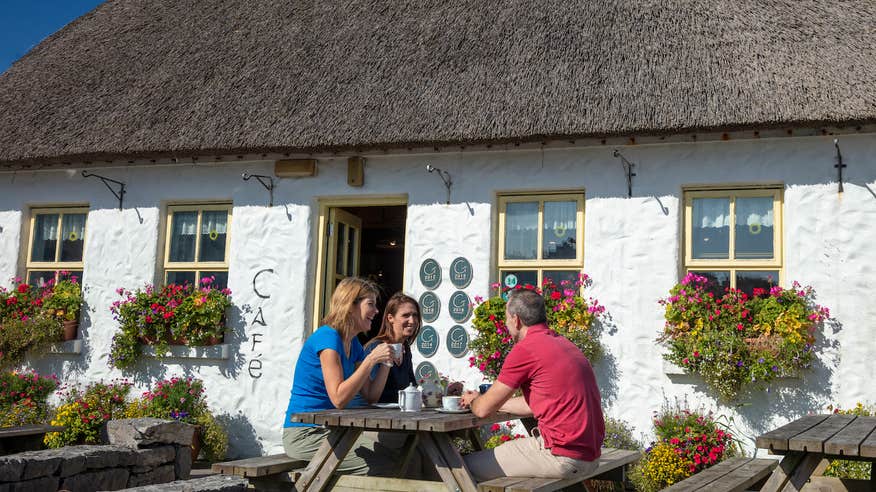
(401,323)
(331,370)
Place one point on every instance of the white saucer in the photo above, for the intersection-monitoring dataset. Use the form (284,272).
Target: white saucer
(461,410)
(385,405)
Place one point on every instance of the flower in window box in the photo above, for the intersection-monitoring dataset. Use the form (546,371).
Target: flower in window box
(568,313)
(740,339)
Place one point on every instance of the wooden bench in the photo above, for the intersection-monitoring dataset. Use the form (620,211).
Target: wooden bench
(732,475)
(260,466)
(612,466)
(24,438)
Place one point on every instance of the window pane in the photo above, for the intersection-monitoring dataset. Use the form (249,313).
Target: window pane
(563,279)
(214,228)
(513,278)
(41,277)
(718,282)
(521,231)
(351,251)
(177,277)
(748,281)
(72,236)
(45,237)
(220,279)
(710,224)
(560,230)
(754,227)
(339,249)
(182,236)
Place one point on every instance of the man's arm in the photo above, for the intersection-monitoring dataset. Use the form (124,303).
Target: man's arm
(517,406)
(496,398)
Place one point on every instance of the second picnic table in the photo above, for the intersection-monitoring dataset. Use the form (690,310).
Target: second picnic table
(429,430)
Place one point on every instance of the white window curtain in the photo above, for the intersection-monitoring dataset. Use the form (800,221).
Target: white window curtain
(754,211)
(75,224)
(214,221)
(182,241)
(521,230)
(711,212)
(46,227)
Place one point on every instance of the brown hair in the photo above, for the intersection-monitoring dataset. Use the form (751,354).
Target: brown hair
(347,295)
(397,300)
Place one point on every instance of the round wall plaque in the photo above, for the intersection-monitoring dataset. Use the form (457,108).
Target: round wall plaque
(430,274)
(425,370)
(459,306)
(457,341)
(460,273)
(430,307)
(427,341)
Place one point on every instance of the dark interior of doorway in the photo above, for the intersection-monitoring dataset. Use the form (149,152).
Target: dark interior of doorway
(382,254)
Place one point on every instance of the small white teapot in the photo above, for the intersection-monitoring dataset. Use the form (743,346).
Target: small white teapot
(410,399)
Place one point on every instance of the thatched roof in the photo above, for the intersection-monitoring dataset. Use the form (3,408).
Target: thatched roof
(186,77)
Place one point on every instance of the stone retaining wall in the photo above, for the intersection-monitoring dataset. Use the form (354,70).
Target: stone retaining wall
(141,452)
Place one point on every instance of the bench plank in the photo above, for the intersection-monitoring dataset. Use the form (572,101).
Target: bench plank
(847,442)
(745,476)
(259,466)
(28,430)
(813,439)
(777,440)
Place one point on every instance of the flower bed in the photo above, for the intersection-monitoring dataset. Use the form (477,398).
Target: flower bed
(687,443)
(83,412)
(568,313)
(23,398)
(174,314)
(739,339)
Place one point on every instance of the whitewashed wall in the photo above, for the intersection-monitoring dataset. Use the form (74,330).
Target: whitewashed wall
(631,251)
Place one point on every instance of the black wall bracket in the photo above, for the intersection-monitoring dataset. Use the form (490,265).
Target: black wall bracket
(120,195)
(839,164)
(266,181)
(628,171)
(445,176)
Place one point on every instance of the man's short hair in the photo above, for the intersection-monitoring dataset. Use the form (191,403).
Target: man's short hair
(528,305)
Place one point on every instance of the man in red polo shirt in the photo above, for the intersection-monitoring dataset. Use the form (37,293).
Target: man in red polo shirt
(559,389)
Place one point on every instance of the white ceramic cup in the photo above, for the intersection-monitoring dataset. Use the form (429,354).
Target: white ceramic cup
(396,353)
(451,403)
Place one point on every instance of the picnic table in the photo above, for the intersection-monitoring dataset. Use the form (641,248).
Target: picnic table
(431,432)
(809,443)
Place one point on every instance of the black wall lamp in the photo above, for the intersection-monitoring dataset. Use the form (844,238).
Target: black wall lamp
(445,176)
(106,181)
(266,181)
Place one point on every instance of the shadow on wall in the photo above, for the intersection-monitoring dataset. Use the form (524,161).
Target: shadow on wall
(606,367)
(242,439)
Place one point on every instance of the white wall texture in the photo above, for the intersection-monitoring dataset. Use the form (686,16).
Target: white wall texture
(631,251)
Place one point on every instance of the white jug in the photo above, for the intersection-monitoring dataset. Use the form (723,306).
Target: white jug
(410,399)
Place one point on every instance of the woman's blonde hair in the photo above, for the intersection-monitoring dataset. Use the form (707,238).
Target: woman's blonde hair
(395,302)
(347,295)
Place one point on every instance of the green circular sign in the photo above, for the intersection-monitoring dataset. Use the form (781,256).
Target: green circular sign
(427,341)
(425,370)
(430,307)
(457,341)
(460,273)
(430,274)
(459,306)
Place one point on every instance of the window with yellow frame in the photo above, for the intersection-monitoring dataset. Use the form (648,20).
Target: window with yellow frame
(733,237)
(541,235)
(196,244)
(56,243)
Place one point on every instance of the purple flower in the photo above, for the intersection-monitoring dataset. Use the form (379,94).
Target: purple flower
(760,361)
(739,364)
(775,368)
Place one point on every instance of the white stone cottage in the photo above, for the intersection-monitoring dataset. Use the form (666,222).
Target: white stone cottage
(532,111)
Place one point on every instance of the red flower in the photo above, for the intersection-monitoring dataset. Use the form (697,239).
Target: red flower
(556,296)
(22,288)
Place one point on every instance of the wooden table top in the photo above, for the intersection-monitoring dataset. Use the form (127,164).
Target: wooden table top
(833,434)
(428,419)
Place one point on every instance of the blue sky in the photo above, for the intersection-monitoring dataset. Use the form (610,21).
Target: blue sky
(24,23)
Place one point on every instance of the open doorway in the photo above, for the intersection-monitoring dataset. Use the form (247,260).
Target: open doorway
(365,241)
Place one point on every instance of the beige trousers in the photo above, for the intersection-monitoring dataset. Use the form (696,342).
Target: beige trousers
(525,457)
(372,454)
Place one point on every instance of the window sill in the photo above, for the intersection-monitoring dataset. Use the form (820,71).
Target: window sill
(678,375)
(210,352)
(71,347)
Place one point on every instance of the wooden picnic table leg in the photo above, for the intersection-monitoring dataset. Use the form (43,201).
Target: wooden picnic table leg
(455,462)
(408,451)
(428,445)
(328,457)
(793,472)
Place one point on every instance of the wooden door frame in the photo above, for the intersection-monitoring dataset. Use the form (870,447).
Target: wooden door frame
(324,206)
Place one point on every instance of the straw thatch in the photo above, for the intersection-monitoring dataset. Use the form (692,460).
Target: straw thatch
(187,77)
